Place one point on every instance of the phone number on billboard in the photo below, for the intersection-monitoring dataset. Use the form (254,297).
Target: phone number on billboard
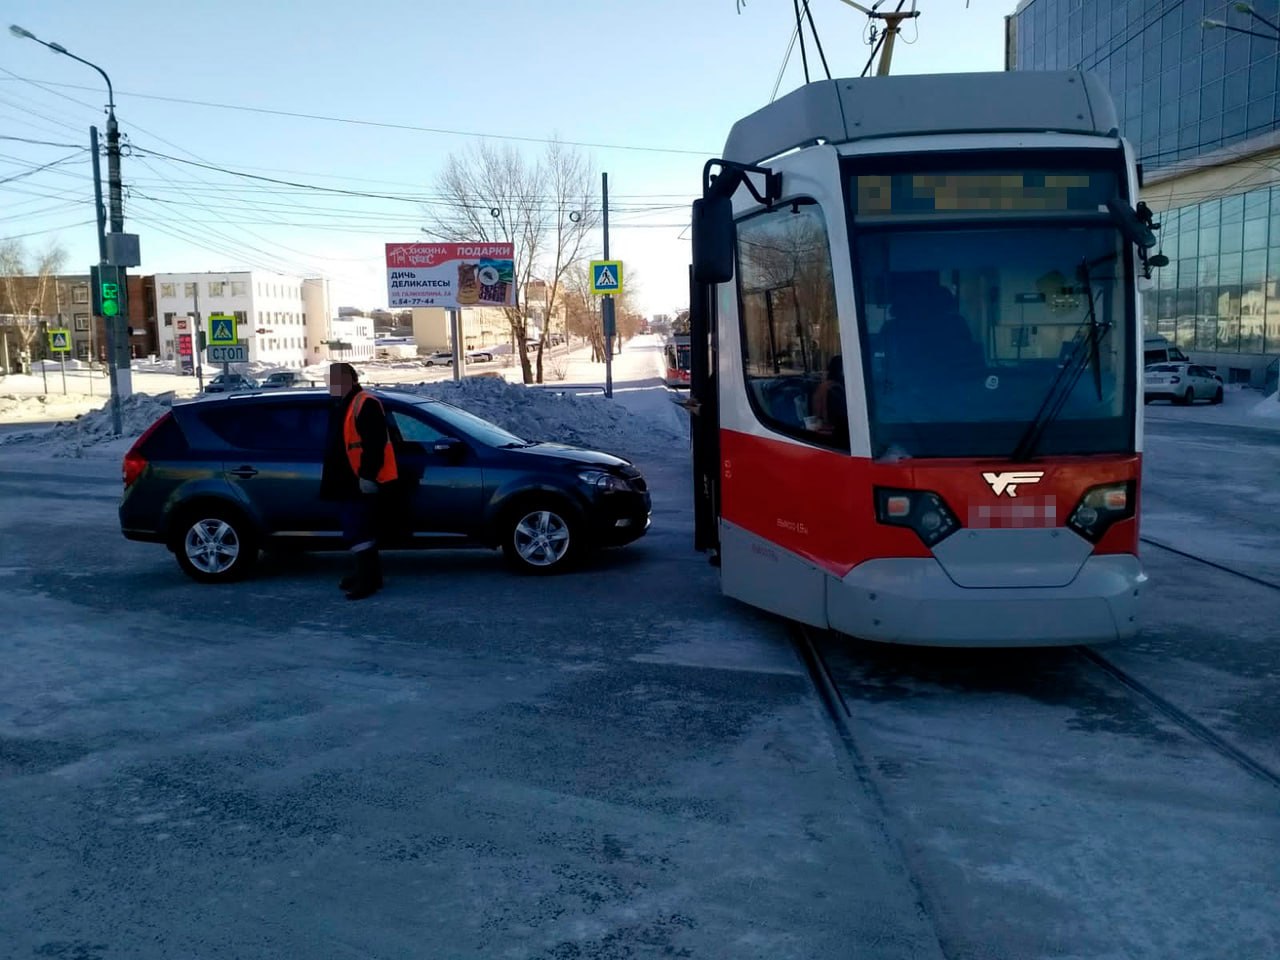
(415,302)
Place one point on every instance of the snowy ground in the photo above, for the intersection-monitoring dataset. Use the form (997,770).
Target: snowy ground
(619,763)
(1239,407)
(614,763)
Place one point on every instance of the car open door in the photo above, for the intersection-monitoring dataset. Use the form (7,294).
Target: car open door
(441,487)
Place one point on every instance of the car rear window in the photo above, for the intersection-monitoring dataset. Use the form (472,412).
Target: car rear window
(282,427)
(166,441)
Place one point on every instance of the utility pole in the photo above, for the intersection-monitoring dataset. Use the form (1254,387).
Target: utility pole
(101,213)
(117,250)
(195,338)
(892,27)
(606,308)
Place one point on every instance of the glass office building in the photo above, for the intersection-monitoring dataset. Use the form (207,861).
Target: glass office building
(1199,106)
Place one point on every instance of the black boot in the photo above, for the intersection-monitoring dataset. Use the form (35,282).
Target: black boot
(367,577)
(352,580)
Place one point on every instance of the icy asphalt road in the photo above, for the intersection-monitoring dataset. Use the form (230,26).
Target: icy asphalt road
(616,764)
(610,764)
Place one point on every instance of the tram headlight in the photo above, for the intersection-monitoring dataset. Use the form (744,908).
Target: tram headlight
(923,511)
(1102,506)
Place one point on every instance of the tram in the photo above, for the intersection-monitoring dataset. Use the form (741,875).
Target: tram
(676,358)
(917,355)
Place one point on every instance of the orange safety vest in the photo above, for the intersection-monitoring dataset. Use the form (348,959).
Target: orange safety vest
(355,447)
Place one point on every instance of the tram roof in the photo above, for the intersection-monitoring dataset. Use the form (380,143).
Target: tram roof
(841,111)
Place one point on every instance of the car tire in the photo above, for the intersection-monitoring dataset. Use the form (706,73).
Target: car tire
(1217,396)
(215,544)
(542,536)
(1186,399)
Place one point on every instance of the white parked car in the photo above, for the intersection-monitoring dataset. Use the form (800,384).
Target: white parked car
(1180,382)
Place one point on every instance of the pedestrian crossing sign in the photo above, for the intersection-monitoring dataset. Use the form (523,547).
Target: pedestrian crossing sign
(606,276)
(60,341)
(222,330)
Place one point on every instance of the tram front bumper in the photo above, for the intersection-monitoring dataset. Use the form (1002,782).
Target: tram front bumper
(913,601)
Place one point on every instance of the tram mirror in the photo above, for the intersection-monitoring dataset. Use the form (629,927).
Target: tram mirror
(1159,260)
(713,237)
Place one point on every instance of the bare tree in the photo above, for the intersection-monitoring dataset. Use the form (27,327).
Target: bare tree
(582,310)
(584,315)
(544,209)
(29,288)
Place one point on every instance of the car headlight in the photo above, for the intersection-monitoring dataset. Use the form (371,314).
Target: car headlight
(604,481)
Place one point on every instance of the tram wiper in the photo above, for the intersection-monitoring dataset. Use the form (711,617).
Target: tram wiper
(1087,350)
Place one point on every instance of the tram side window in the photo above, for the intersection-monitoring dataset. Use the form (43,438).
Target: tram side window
(790,327)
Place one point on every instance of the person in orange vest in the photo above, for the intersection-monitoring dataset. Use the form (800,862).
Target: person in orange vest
(359,461)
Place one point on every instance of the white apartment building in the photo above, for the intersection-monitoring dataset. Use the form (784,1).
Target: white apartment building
(353,336)
(278,316)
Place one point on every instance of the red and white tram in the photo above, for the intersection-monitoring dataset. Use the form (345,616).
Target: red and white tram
(676,357)
(917,355)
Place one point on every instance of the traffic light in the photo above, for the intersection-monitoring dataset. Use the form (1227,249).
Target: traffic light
(108,291)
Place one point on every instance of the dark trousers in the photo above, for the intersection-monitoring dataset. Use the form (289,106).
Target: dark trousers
(360,522)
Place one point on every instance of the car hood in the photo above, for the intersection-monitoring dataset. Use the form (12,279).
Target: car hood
(567,453)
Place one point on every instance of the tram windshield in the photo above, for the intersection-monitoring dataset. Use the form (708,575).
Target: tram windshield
(974,291)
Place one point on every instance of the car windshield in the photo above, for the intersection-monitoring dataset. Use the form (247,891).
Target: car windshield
(472,426)
(970,308)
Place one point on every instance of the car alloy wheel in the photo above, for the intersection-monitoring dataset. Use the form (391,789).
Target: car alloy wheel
(542,538)
(212,546)
(215,546)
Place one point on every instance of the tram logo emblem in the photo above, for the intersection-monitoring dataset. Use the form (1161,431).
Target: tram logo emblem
(1002,483)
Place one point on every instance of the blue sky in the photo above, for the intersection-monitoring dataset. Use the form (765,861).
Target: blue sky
(668,74)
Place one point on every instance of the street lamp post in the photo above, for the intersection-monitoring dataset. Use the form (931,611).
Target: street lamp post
(1245,8)
(117,250)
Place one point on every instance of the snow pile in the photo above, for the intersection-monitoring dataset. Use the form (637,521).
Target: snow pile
(1268,408)
(71,439)
(569,416)
(638,422)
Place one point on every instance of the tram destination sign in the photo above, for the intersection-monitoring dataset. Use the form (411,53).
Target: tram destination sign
(451,275)
(942,192)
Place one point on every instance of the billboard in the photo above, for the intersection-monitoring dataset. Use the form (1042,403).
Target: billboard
(451,275)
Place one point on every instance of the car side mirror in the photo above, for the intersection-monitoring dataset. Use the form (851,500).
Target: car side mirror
(449,448)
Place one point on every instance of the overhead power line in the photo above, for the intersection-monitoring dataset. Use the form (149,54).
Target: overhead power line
(301,115)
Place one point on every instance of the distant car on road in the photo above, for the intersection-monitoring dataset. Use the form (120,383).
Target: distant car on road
(286,378)
(1183,383)
(217,478)
(226,382)
(479,356)
(441,358)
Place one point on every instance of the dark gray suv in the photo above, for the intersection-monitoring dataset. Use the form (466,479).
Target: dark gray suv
(216,479)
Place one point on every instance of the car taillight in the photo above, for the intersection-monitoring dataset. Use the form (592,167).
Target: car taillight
(921,510)
(1175,379)
(1100,507)
(134,461)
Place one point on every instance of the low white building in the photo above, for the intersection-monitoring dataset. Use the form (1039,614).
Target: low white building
(277,315)
(350,339)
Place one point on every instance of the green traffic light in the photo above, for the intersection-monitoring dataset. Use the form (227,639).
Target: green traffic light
(110,299)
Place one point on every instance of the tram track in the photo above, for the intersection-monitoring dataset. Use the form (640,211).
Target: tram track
(838,712)
(833,700)
(1260,581)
